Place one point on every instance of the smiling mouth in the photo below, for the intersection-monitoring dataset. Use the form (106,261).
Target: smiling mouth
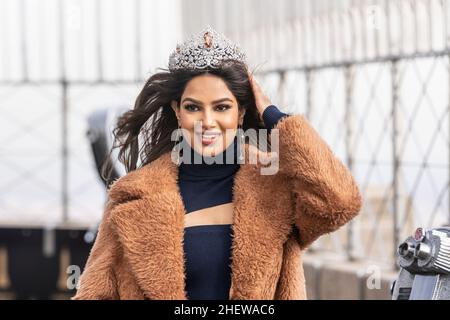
(208,138)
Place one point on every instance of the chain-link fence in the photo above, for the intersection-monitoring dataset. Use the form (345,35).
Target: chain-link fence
(379,95)
(59,62)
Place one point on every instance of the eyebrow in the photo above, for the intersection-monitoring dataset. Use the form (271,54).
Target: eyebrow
(199,102)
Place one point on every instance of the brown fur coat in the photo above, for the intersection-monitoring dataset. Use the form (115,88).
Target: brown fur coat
(138,253)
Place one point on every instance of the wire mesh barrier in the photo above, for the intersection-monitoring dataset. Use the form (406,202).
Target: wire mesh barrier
(378,92)
(388,122)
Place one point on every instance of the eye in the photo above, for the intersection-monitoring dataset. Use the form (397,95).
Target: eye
(223,107)
(191,107)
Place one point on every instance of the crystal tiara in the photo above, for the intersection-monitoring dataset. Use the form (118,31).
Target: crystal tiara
(206,49)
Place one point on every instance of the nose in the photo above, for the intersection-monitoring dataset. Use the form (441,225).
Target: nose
(208,119)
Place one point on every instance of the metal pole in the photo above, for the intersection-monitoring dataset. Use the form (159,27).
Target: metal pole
(308,84)
(281,88)
(444,4)
(65,150)
(395,147)
(23,41)
(416,25)
(365,31)
(389,40)
(137,39)
(118,46)
(348,73)
(430,27)
(64,110)
(98,30)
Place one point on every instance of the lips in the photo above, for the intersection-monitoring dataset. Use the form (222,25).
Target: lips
(209,137)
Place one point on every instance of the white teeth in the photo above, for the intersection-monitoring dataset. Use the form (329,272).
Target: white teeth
(210,135)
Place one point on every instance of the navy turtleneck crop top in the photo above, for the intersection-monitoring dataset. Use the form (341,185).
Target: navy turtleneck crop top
(207,247)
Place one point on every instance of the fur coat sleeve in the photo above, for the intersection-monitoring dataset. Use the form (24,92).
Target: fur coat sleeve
(325,195)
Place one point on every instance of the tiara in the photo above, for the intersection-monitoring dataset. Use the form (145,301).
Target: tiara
(206,49)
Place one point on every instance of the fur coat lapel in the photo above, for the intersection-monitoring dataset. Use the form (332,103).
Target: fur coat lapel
(150,224)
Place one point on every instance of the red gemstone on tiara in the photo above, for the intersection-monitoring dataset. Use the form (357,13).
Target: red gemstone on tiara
(208,39)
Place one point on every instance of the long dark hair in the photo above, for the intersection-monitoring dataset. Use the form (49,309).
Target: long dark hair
(145,131)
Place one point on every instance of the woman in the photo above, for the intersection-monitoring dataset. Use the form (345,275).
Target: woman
(178,228)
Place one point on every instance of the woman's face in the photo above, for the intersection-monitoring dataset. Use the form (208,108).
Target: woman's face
(209,114)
